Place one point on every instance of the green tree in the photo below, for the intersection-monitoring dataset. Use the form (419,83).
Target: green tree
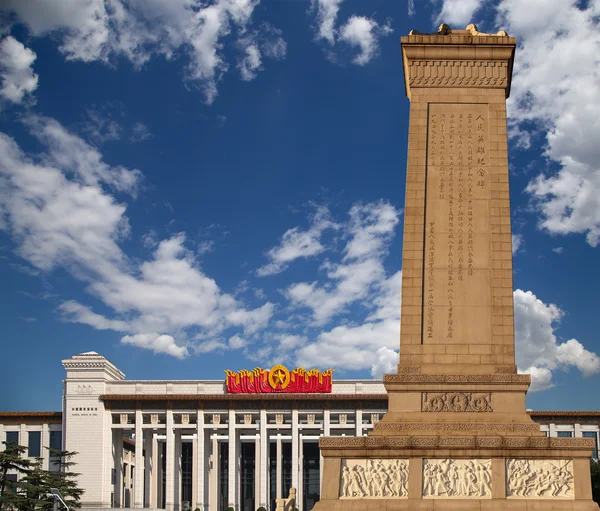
(61,477)
(35,488)
(12,460)
(595,470)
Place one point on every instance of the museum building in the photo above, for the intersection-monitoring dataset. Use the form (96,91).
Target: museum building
(243,441)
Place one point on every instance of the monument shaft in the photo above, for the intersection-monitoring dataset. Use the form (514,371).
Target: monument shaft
(457,434)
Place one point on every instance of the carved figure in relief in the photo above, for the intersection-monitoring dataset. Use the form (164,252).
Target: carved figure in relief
(539,478)
(456,478)
(374,478)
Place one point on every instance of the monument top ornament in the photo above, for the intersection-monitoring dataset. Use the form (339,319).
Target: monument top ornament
(456,426)
(470,30)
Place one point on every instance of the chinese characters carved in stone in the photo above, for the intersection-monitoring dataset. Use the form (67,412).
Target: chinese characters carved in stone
(374,479)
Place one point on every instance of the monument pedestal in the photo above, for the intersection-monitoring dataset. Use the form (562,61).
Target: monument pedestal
(457,435)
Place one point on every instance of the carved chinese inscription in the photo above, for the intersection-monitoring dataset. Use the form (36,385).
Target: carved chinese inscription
(457,478)
(456,402)
(539,478)
(457,269)
(374,479)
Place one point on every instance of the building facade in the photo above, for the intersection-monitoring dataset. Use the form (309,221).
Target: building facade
(180,445)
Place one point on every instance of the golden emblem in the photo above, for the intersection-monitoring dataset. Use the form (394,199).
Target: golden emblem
(279,375)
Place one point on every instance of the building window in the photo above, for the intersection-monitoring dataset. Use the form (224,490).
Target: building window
(564,434)
(56,440)
(11,480)
(594,435)
(12,437)
(35,444)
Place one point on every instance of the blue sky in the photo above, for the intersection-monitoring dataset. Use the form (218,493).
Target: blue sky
(202,185)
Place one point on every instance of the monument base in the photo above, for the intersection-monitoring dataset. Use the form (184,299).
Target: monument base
(454,505)
(456,442)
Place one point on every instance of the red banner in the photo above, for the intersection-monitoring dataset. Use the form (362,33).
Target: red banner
(278,380)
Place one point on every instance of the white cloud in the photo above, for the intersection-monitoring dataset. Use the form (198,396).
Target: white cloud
(364,33)
(251,62)
(358,31)
(327,11)
(555,89)
(558,250)
(99,30)
(517,242)
(357,345)
(296,243)
(268,42)
(458,13)
(411,7)
(140,132)
(60,209)
(537,349)
(236,342)
(386,362)
(370,230)
(100,128)
(157,343)
(18,79)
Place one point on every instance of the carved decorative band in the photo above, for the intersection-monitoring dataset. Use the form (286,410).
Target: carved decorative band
(409,369)
(456,402)
(458,72)
(449,426)
(435,442)
(456,378)
(374,478)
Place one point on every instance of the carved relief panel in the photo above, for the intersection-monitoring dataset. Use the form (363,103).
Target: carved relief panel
(539,479)
(456,402)
(377,478)
(457,478)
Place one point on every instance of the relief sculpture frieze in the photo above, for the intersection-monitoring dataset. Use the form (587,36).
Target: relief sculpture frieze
(457,478)
(456,402)
(374,478)
(539,479)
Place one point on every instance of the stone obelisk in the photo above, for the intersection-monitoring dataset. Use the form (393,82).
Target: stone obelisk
(457,435)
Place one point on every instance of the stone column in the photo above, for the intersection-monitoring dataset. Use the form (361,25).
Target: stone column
(148,466)
(300,487)
(326,432)
(177,471)
(118,492)
(213,495)
(358,420)
(194,500)
(45,443)
(233,462)
(258,469)
(264,460)
(108,460)
(154,482)
(279,468)
(170,464)
(200,461)
(295,445)
(138,483)
(24,438)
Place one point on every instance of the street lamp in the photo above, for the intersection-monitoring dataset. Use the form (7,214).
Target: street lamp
(56,496)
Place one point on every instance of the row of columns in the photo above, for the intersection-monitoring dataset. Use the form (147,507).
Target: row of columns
(148,470)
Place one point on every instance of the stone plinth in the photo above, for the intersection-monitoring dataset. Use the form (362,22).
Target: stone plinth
(457,435)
